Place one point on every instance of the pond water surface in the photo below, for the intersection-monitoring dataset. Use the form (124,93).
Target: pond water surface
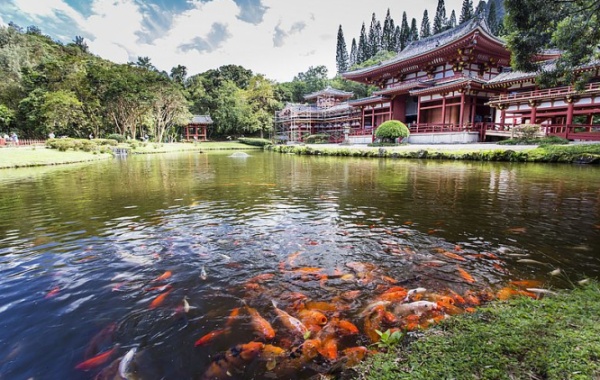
(101,258)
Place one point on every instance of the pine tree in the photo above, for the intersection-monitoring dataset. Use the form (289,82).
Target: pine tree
(480,10)
(404,32)
(387,35)
(413,34)
(440,21)
(466,12)
(397,39)
(425,26)
(341,55)
(378,37)
(374,38)
(452,21)
(492,20)
(362,54)
(353,52)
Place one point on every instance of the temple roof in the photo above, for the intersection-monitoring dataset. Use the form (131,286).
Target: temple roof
(329,91)
(201,119)
(430,44)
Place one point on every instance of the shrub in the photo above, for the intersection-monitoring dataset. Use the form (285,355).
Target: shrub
(527,131)
(391,130)
(255,141)
(115,136)
(317,139)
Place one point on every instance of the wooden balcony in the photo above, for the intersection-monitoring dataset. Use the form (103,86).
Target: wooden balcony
(551,93)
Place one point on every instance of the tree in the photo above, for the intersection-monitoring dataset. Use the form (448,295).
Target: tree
(363,52)
(374,37)
(452,21)
(353,52)
(480,10)
(492,18)
(314,79)
(62,112)
(413,33)
(6,117)
(168,109)
(466,12)
(391,130)
(425,26)
(261,98)
(341,55)
(387,36)
(570,26)
(179,74)
(81,44)
(404,32)
(145,63)
(440,21)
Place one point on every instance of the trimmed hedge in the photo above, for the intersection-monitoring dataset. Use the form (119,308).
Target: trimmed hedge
(255,141)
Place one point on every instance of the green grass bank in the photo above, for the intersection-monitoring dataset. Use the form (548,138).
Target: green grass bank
(553,338)
(572,153)
(29,156)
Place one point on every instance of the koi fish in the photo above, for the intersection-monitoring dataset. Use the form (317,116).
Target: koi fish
(310,348)
(160,299)
(453,256)
(203,275)
(205,339)
(413,292)
(292,323)
(346,327)
(102,338)
(260,325)
(312,317)
(125,363)
(329,349)
(526,283)
(53,292)
(97,360)
(541,291)
(232,316)
(354,355)
(186,305)
(417,307)
(465,275)
(555,272)
(164,276)
(373,306)
(530,261)
(232,359)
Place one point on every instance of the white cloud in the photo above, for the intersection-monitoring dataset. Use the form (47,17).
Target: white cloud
(290,37)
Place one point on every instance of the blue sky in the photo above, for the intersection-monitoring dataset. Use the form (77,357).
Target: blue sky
(277,38)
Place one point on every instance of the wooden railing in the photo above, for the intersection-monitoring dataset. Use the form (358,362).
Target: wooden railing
(440,128)
(21,142)
(558,91)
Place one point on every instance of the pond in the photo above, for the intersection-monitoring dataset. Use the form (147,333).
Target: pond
(170,266)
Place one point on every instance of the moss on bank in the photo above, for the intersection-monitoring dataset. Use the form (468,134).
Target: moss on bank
(581,153)
(552,338)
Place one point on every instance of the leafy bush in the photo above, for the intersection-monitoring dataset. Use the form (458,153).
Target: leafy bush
(116,136)
(549,140)
(317,139)
(74,144)
(110,142)
(391,130)
(528,131)
(255,141)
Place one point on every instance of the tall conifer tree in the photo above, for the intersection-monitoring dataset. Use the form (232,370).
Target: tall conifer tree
(480,10)
(425,25)
(413,34)
(404,31)
(363,51)
(341,55)
(451,21)
(492,18)
(373,38)
(397,39)
(440,21)
(466,12)
(353,52)
(387,36)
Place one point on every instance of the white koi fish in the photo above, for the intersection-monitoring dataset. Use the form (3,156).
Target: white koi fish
(413,292)
(418,308)
(124,370)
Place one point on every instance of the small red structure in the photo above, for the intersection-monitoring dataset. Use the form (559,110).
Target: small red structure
(196,129)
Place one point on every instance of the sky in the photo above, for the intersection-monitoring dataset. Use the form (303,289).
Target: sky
(276,38)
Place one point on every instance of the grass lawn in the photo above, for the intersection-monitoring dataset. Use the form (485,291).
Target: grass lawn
(27,156)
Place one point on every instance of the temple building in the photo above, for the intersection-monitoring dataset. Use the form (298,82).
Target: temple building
(457,86)
(327,113)
(196,129)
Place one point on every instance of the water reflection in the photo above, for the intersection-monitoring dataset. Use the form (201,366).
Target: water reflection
(81,249)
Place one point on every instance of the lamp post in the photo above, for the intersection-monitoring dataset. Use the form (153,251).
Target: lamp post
(346,134)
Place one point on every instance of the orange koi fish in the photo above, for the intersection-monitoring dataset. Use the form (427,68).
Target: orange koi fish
(211,336)
(261,325)
(527,283)
(354,355)
(292,323)
(97,360)
(232,316)
(53,292)
(312,317)
(102,338)
(310,348)
(163,276)
(454,256)
(329,349)
(262,277)
(346,327)
(393,296)
(373,323)
(160,299)
(465,275)
(232,359)
(322,306)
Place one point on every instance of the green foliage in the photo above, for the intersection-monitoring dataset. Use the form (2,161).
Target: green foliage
(317,139)
(389,339)
(391,130)
(341,55)
(255,141)
(116,137)
(549,140)
(382,55)
(6,117)
(73,144)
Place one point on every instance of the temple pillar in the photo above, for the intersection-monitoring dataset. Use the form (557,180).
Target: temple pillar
(462,109)
(444,109)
